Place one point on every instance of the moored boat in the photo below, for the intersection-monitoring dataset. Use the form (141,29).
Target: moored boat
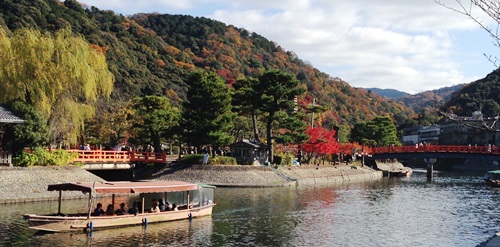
(193,200)
(492,178)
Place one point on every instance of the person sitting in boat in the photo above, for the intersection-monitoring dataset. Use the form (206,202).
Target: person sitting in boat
(122,210)
(161,205)
(98,210)
(168,207)
(109,210)
(134,209)
(155,208)
(174,207)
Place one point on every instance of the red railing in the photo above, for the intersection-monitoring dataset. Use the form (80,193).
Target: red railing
(437,148)
(85,156)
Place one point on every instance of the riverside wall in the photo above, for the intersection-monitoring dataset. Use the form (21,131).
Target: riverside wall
(29,184)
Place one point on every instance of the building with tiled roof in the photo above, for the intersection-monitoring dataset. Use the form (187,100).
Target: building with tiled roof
(7,117)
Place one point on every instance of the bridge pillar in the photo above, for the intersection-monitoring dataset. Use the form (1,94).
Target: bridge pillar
(430,167)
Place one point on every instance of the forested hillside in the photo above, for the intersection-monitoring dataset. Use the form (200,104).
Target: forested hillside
(153,54)
(483,94)
(429,99)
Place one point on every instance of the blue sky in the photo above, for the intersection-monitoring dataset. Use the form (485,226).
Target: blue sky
(408,45)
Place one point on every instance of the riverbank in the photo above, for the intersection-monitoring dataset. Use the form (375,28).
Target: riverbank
(265,176)
(29,184)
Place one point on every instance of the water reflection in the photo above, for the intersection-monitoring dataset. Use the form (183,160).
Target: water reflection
(456,209)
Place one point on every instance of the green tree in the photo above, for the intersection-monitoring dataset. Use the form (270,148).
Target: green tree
(274,91)
(207,118)
(154,119)
(111,122)
(244,102)
(61,75)
(381,131)
(33,133)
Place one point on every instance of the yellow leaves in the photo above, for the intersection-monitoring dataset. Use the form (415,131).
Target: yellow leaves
(47,70)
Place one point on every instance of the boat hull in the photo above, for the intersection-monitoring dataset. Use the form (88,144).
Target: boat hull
(79,223)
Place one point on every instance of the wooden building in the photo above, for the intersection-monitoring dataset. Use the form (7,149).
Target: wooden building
(6,117)
(249,152)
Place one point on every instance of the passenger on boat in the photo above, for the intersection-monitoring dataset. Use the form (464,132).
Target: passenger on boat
(98,210)
(168,207)
(122,210)
(134,209)
(109,210)
(161,205)
(155,208)
(174,207)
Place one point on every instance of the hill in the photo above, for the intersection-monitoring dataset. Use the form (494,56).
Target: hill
(483,94)
(388,93)
(429,99)
(152,54)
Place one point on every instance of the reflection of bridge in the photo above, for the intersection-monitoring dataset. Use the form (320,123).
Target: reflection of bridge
(109,160)
(433,152)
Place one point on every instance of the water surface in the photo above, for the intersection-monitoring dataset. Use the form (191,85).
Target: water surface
(457,209)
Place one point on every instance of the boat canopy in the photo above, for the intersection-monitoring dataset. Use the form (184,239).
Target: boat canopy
(125,187)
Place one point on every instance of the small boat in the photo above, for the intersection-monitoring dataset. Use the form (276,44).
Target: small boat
(194,200)
(492,178)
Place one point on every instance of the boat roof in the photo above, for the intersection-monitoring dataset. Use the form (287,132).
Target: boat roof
(494,172)
(125,187)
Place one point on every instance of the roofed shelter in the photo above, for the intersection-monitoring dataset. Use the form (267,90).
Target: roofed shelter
(249,152)
(6,117)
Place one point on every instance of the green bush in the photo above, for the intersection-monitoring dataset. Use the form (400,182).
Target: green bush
(25,159)
(222,160)
(192,159)
(44,157)
(284,159)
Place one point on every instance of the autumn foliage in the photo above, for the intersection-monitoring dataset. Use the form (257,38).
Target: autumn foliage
(322,142)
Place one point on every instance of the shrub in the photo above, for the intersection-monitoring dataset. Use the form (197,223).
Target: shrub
(284,159)
(44,157)
(222,160)
(192,159)
(25,159)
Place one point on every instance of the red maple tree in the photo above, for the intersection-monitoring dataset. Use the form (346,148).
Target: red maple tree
(322,142)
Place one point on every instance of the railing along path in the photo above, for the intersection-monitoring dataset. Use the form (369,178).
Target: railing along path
(437,149)
(86,156)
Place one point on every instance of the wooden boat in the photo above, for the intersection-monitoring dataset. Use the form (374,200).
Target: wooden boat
(194,200)
(492,178)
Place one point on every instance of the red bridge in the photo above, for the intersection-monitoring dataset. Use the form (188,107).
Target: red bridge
(436,149)
(430,153)
(100,159)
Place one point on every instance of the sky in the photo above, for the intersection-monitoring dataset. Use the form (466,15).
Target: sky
(408,45)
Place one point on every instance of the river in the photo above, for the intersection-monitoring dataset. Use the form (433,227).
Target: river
(456,209)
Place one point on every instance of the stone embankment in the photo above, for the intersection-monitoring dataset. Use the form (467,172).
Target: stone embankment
(264,176)
(29,184)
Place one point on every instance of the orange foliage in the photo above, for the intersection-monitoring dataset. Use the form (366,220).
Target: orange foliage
(100,49)
(184,65)
(160,63)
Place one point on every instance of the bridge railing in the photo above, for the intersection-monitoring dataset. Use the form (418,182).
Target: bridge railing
(86,156)
(437,148)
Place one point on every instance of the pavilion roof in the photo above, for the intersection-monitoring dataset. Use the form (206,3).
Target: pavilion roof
(8,117)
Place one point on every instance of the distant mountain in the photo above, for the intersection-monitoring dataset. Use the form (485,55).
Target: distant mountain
(387,93)
(429,99)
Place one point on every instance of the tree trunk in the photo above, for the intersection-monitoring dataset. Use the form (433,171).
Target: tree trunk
(270,137)
(255,127)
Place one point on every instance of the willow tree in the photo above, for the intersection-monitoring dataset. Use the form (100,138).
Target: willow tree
(60,74)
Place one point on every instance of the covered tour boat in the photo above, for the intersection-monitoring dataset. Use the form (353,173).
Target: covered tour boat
(193,200)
